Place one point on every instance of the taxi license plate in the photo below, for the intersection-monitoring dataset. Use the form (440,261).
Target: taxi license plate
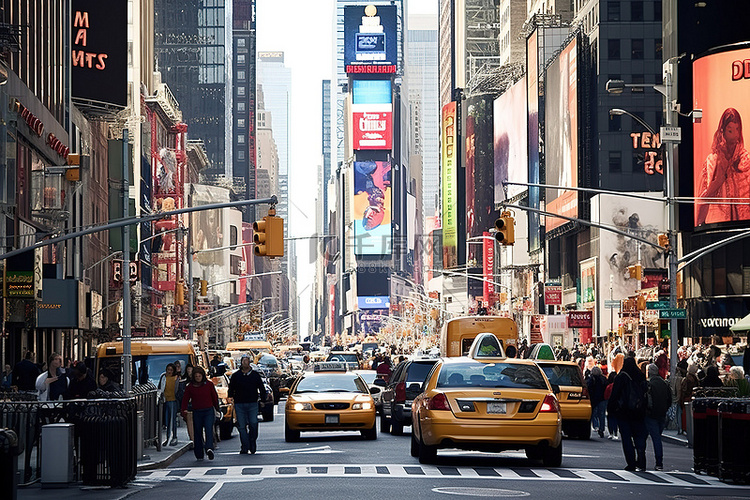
(496,408)
(332,419)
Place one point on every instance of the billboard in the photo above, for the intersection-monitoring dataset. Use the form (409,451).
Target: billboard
(99,52)
(511,141)
(372,114)
(532,110)
(561,134)
(370,44)
(448,139)
(721,88)
(479,162)
(371,209)
(206,226)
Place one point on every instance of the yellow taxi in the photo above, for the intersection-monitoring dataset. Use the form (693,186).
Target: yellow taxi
(487,402)
(329,399)
(575,406)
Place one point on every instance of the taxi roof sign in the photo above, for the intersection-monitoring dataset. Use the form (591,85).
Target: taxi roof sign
(330,366)
(486,345)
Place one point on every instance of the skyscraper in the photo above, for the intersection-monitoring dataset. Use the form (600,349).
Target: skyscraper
(326,148)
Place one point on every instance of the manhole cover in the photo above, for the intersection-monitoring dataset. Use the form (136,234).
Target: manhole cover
(482,492)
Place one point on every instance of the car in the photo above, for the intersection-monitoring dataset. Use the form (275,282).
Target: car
(369,376)
(487,402)
(351,358)
(399,392)
(226,406)
(573,396)
(269,366)
(330,399)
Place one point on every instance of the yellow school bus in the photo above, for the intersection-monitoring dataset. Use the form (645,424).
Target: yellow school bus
(457,334)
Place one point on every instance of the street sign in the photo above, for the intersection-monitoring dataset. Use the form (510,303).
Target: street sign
(670,134)
(661,305)
(553,294)
(611,304)
(673,314)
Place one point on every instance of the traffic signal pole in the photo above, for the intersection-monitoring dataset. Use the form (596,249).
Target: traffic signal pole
(127,357)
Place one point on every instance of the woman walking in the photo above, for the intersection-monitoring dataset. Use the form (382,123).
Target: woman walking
(169,384)
(200,393)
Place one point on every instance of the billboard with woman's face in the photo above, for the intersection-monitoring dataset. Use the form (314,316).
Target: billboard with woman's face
(721,172)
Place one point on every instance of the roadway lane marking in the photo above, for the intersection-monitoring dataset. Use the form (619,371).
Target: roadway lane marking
(242,473)
(213,491)
(316,449)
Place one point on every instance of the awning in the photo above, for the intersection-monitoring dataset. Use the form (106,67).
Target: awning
(742,325)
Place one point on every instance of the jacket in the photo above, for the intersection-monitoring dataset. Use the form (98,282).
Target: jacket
(200,396)
(24,375)
(659,398)
(54,391)
(163,383)
(596,385)
(79,389)
(245,387)
(628,379)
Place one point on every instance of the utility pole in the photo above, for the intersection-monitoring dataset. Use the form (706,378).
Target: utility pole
(671,220)
(191,298)
(126,352)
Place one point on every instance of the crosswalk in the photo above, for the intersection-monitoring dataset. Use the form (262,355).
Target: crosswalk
(250,473)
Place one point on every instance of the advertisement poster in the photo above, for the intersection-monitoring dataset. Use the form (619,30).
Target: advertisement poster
(511,145)
(488,261)
(532,110)
(371,207)
(372,114)
(561,135)
(370,44)
(721,89)
(588,282)
(480,175)
(553,294)
(449,136)
(206,226)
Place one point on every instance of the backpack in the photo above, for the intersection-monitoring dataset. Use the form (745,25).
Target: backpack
(633,402)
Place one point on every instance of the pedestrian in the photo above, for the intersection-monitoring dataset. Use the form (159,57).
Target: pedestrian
(675,384)
(81,382)
(628,403)
(510,351)
(201,394)
(597,384)
(184,381)
(169,384)
(737,379)
(107,382)
(611,419)
(177,368)
(659,399)
(52,384)
(25,373)
(245,387)
(384,368)
(7,377)
(712,377)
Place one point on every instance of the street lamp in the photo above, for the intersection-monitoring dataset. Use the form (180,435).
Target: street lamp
(620,112)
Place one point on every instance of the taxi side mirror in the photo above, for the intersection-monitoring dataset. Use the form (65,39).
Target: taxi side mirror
(379,382)
(374,390)
(556,388)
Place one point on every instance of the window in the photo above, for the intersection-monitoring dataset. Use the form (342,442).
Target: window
(240,106)
(240,123)
(240,155)
(636,11)
(240,58)
(241,91)
(615,123)
(613,50)
(657,10)
(615,161)
(240,42)
(232,237)
(613,11)
(241,139)
(240,75)
(658,49)
(638,79)
(638,162)
(636,48)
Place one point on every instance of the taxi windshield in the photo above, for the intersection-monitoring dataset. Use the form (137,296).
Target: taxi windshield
(343,357)
(563,374)
(331,382)
(491,375)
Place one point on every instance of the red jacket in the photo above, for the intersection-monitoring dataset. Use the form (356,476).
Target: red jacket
(201,396)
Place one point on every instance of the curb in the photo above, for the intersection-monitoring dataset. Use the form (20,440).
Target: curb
(675,440)
(166,462)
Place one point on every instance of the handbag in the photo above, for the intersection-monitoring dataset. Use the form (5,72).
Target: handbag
(217,414)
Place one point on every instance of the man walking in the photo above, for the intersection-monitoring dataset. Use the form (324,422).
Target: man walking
(25,373)
(628,404)
(244,388)
(659,401)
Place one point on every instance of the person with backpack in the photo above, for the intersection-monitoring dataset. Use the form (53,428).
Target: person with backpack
(611,419)
(659,399)
(628,403)
(596,384)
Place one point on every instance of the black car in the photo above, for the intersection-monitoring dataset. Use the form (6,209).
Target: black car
(404,385)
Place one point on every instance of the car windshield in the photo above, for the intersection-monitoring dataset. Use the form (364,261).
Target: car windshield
(347,358)
(492,375)
(145,368)
(369,377)
(562,374)
(418,371)
(331,382)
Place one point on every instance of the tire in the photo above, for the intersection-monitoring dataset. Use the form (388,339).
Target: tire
(370,434)
(267,414)
(397,427)
(534,453)
(584,430)
(385,424)
(290,435)
(427,454)
(552,457)
(225,430)
(414,445)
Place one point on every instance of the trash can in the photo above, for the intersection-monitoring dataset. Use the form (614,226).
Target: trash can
(700,437)
(9,451)
(734,440)
(57,455)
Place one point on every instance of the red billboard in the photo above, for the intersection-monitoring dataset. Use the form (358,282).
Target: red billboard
(553,295)
(721,173)
(488,263)
(372,129)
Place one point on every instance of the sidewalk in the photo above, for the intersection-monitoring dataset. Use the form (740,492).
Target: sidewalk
(674,438)
(153,459)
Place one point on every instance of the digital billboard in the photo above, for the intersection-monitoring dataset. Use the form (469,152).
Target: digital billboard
(448,139)
(372,114)
(99,52)
(511,144)
(370,44)
(371,209)
(561,135)
(480,174)
(721,172)
(206,226)
(532,110)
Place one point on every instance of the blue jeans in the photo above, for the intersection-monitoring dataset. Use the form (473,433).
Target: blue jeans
(597,416)
(171,418)
(611,424)
(655,426)
(247,415)
(203,420)
(634,434)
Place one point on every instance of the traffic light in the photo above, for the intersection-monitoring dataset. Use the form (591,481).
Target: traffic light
(664,241)
(636,271)
(505,226)
(268,235)
(641,303)
(204,288)
(179,293)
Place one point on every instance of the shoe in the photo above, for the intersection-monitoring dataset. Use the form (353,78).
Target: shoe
(640,469)
(253,448)
(659,467)
(165,443)
(601,434)
(243,452)
(200,459)
(630,468)
(173,442)
(210,454)
(616,438)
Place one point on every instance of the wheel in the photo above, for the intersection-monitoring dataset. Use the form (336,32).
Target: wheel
(225,429)
(534,453)
(414,445)
(290,435)
(385,424)
(584,430)
(427,454)
(370,434)
(276,395)
(397,427)
(552,457)
(267,413)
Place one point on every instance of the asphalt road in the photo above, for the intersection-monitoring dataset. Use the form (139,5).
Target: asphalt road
(343,465)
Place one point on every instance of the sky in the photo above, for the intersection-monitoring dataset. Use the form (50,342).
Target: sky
(304,31)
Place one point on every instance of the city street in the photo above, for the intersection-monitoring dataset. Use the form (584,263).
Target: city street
(342,465)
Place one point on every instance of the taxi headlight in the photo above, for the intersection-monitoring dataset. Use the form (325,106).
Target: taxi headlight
(302,406)
(361,406)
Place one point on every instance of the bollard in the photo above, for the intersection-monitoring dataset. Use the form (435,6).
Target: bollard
(139,437)
(9,451)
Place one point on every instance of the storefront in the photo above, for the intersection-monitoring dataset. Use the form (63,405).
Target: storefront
(712,317)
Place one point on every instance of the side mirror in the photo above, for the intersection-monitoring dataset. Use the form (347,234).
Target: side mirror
(556,388)
(374,390)
(379,382)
